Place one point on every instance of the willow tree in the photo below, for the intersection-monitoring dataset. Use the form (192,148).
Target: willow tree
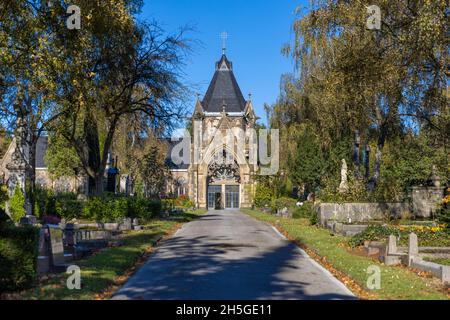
(116,67)
(377,82)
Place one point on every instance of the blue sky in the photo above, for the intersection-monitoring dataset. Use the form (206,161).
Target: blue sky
(257,30)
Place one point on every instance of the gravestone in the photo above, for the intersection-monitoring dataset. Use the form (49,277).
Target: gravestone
(43,259)
(392,245)
(413,248)
(413,245)
(28,220)
(126,224)
(69,234)
(343,186)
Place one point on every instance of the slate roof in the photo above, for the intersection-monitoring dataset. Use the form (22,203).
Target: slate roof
(223,89)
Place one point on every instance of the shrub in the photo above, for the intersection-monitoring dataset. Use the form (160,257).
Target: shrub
(111,208)
(306,211)
(94,209)
(283,202)
(137,207)
(44,202)
(373,233)
(444,214)
(3,217)
(263,196)
(118,209)
(18,255)
(303,211)
(69,209)
(168,204)
(184,201)
(17,204)
(154,208)
(3,195)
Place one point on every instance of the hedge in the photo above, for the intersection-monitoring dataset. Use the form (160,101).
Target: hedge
(18,257)
(112,208)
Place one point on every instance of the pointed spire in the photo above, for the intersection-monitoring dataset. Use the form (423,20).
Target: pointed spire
(198,111)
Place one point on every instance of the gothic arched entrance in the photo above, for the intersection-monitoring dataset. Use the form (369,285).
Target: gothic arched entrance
(223,182)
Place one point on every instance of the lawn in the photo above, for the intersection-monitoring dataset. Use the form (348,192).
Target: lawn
(104,272)
(333,252)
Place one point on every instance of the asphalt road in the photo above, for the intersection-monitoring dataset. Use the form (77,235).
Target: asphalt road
(229,255)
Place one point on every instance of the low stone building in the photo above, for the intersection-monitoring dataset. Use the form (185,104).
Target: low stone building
(43,178)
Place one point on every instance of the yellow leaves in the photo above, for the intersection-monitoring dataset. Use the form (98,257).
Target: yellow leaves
(421,229)
(446,199)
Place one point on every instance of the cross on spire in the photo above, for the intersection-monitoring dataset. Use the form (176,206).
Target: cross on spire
(224,37)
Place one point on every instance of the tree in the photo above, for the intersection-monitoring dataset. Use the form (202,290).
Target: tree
(359,79)
(372,85)
(115,72)
(306,164)
(17,204)
(30,67)
(154,172)
(61,158)
(5,140)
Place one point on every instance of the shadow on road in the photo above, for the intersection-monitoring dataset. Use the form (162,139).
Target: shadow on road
(194,268)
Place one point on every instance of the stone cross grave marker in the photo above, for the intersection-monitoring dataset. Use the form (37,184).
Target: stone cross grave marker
(392,245)
(413,244)
(413,248)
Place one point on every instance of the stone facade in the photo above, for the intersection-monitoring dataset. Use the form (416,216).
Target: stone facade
(43,179)
(218,174)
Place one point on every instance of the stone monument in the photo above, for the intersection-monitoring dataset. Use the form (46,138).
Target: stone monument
(426,199)
(343,186)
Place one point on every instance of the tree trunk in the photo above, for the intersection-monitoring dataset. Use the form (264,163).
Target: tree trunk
(356,159)
(378,157)
(99,184)
(31,175)
(377,166)
(367,162)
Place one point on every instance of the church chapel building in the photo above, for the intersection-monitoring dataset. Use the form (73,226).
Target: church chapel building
(222,178)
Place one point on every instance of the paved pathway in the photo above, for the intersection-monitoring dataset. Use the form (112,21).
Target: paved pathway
(229,255)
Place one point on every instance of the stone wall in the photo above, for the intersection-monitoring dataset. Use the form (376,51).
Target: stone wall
(359,212)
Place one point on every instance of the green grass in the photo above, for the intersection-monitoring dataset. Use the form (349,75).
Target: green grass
(444,261)
(396,282)
(99,271)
